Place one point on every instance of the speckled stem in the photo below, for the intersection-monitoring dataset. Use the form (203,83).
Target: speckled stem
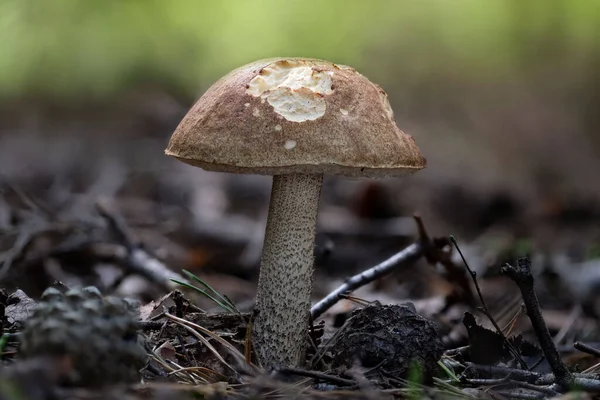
(286,271)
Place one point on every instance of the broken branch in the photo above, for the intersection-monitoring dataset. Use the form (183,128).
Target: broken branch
(138,260)
(522,276)
(404,257)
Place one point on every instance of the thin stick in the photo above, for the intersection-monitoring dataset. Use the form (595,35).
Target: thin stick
(523,277)
(580,381)
(511,373)
(317,375)
(499,382)
(519,394)
(138,260)
(587,349)
(404,257)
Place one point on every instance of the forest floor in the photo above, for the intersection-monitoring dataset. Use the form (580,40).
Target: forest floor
(504,308)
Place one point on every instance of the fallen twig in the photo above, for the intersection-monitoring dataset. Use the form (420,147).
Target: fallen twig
(138,260)
(519,394)
(581,381)
(458,351)
(424,246)
(509,373)
(587,349)
(317,375)
(404,257)
(521,275)
(512,384)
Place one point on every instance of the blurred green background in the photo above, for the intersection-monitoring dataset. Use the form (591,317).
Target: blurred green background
(74,47)
(501,95)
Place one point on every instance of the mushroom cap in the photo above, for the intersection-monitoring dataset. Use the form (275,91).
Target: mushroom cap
(295,115)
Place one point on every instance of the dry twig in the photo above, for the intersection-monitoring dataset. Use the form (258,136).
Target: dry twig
(410,254)
(521,275)
(138,260)
(317,375)
(404,257)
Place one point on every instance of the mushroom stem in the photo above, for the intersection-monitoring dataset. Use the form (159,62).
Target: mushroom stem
(286,270)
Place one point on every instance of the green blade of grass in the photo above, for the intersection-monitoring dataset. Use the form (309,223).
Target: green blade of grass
(448,371)
(204,293)
(208,287)
(3,340)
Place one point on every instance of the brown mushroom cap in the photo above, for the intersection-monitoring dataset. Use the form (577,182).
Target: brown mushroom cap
(295,115)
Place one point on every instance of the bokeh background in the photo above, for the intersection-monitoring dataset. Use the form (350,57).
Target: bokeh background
(502,96)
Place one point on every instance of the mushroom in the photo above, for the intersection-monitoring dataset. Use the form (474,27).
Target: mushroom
(295,119)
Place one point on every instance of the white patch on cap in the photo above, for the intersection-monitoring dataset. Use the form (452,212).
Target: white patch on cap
(295,89)
(246,104)
(277,127)
(289,144)
(344,111)
(256,112)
